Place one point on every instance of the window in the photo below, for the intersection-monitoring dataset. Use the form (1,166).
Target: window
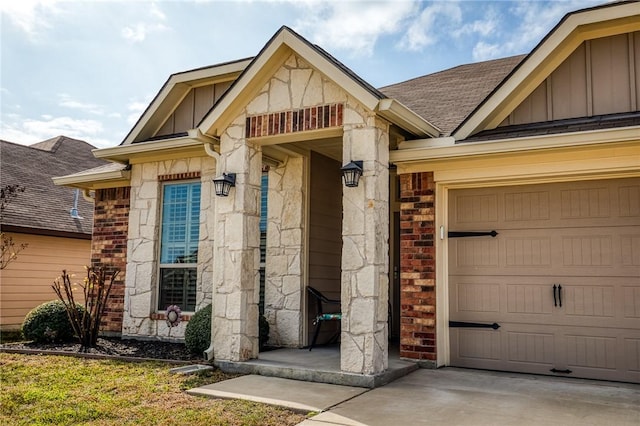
(180,232)
(263,236)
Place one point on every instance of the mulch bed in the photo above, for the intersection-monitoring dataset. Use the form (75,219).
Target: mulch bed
(112,347)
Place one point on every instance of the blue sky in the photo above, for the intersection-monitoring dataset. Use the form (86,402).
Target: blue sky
(87,69)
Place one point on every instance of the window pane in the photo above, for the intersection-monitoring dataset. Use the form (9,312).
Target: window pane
(180,223)
(180,232)
(178,287)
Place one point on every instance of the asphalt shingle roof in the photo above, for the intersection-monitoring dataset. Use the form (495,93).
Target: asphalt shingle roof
(447,97)
(43,205)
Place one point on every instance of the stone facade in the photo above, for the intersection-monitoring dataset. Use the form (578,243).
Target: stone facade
(417,268)
(109,248)
(284,282)
(236,278)
(296,87)
(365,250)
(140,316)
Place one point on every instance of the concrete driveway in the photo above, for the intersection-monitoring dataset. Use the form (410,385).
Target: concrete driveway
(453,396)
(448,396)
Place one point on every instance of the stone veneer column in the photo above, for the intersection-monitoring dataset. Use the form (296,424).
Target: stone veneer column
(236,279)
(417,268)
(284,285)
(365,249)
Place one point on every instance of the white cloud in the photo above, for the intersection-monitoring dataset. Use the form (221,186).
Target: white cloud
(535,20)
(350,25)
(425,30)
(29,131)
(483,51)
(157,13)
(139,31)
(68,102)
(485,27)
(31,16)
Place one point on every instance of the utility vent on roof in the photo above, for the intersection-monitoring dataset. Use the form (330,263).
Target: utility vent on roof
(74,210)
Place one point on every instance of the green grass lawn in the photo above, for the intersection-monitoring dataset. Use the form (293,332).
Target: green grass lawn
(39,389)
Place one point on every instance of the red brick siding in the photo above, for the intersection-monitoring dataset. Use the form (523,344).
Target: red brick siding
(109,247)
(179,176)
(297,120)
(417,267)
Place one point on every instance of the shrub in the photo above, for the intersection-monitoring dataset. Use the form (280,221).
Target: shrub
(48,322)
(197,334)
(95,288)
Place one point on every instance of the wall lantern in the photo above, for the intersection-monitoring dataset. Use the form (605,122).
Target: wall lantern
(351,173)
(224,183)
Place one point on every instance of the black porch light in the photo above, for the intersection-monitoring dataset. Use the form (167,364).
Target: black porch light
(351,173)
(224,183)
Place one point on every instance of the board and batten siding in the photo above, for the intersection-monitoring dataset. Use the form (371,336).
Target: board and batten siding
(602,76)
(193,108)
(26,282)
(325,237)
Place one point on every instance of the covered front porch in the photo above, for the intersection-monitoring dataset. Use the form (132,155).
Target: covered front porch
(306,117)
(320,234)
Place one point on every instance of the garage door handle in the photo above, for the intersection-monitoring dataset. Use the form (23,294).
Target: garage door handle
(461,324)
(560,294)
(555,370)
(557,297)
(465,234)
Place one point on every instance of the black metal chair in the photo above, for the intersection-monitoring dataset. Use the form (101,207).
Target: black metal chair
(322,316)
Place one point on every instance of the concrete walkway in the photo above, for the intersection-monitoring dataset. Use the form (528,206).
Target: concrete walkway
(447,396)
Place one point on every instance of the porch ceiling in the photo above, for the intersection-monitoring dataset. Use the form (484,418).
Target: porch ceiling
(329,147)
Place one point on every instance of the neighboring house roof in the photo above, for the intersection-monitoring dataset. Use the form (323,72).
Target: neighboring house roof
(44,208)
(447,97)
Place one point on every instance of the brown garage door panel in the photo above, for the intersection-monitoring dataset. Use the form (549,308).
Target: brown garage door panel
(592,251)
(590,203)
(595,353)
(582,236)
(613,302)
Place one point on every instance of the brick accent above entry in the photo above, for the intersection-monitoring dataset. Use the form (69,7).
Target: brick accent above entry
(179,176)
(417,268)
(297,120)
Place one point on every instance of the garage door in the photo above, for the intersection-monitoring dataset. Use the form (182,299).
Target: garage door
(561,279)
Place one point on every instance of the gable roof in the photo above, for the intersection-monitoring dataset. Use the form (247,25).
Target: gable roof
(574,28)
(174,90)
(44,207)
(447,97)
(274,53)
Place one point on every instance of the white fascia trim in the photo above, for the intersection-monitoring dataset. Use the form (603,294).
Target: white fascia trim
(427,143)
(120,154)
(539,55)
(402,116)
(81,181)
(530,143)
